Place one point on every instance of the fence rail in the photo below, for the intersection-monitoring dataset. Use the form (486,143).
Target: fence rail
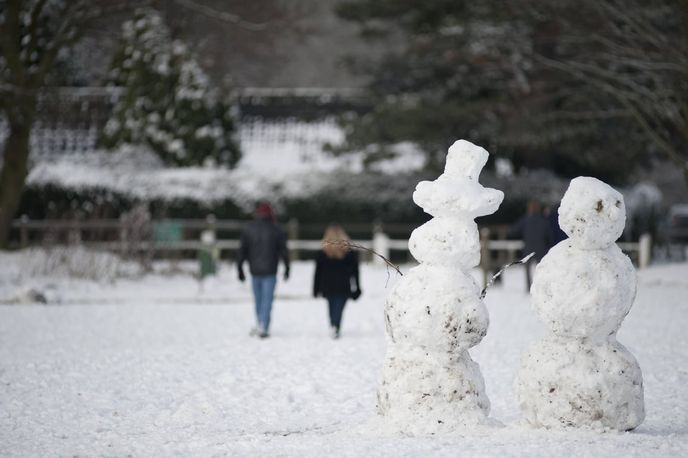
(187,235)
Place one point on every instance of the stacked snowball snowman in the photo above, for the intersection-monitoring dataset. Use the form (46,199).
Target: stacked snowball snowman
(434,314)
(579,375)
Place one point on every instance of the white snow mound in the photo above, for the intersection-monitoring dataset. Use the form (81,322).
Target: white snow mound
(579,375)
(576,382)
(434,314)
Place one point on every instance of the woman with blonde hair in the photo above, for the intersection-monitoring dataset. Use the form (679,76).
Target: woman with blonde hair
(336,274)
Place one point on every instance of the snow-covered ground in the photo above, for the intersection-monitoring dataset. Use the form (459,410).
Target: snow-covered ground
(154,367)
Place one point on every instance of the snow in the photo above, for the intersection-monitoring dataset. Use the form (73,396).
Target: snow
(297,165)
(578,375)
(595,384)
(150,366)
(430,384)
(457,191)
(149,57)
(406,157)
(450,240)
(280,159)
(592,213)
(583,293)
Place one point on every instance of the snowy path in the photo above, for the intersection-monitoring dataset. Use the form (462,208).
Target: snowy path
(150,368)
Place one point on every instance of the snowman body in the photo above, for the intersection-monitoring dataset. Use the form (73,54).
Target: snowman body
(434,314)
(579,375)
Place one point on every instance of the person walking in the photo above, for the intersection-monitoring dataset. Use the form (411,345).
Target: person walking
(537,235)
(263,244)
(552,216)
(336,275)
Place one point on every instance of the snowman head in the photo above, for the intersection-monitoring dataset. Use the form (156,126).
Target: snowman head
(592,213)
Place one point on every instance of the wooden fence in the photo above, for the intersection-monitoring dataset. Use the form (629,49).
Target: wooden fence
(192,235)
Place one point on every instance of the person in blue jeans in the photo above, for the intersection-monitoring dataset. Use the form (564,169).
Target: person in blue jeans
(263,244)
(336,275)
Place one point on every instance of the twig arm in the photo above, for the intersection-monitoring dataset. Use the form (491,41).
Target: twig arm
(355,246)
(501,271)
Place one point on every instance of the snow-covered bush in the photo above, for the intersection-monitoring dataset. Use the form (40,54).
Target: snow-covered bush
(168,102)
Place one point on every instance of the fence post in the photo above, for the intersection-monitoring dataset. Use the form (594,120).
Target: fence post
(380,244)
(644,250)
(293,231)
(24,231)
(74,234)
(208,254)
(211,230)
(123,238)
(209,234)
(485,254)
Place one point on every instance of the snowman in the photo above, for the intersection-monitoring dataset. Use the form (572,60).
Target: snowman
(578,375)
(434,314)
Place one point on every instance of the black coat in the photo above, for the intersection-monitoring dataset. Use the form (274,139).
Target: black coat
(336,277)
(263,243)
(536,233)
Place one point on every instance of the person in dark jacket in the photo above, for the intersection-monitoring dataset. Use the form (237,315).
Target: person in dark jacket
(552,215)
(263,244)
(336,275)
(536,232)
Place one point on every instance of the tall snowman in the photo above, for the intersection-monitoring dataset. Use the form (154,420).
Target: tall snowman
(434,314)
(578,375)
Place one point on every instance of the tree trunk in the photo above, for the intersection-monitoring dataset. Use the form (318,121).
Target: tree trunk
(15,168)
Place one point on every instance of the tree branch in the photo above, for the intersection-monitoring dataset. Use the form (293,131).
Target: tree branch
(524,260)
(9,41)
(62,37)
(355,246)
(644,29)
(221,15)
(113,7)
(35,15)
(630,101)
(655,137)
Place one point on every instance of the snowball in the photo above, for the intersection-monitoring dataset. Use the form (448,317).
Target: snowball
(445,393)
(592,213)
(436,308)
(583,293)
(446,241)
(575,382)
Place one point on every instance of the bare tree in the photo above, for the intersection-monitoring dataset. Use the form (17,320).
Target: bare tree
(221,15)
(244,43)
(32,35)
(634,52)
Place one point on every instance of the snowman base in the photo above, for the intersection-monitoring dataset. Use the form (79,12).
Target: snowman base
(425,393)
(566,382)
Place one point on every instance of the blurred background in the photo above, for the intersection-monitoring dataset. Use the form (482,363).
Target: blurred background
(134,126)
